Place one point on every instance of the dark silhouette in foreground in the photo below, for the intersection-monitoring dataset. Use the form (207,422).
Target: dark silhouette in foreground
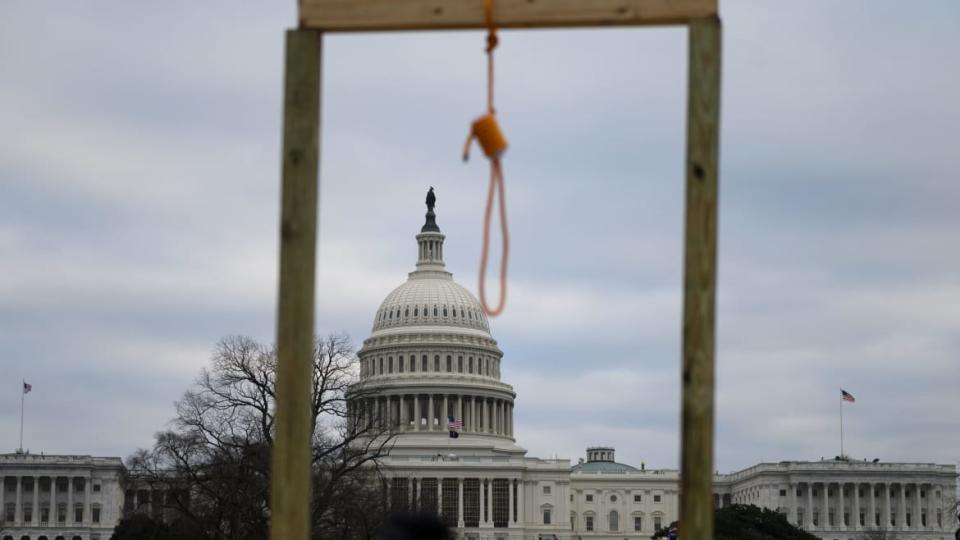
(414,527)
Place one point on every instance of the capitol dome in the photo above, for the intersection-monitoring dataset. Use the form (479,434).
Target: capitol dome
(430,301)
(430,360)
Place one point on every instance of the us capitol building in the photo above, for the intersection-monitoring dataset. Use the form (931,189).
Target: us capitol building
(431,356)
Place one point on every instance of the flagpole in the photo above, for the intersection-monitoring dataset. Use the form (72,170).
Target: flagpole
(841,423)
(23,384)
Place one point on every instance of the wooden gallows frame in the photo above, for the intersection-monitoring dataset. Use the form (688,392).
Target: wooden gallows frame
(290,498)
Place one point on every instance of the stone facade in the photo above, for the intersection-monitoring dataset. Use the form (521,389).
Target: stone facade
(47,497)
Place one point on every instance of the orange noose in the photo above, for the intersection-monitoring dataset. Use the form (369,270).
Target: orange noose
(487,132)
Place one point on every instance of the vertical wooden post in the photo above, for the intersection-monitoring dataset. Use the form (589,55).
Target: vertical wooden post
(290,481)
(699,280)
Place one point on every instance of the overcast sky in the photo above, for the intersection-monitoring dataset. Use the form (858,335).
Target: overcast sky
(139,174)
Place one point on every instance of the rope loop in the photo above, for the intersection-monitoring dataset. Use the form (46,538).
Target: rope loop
(487,132)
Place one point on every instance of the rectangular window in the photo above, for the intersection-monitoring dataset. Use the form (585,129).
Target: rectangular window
(909,520)
(546,490)
(656,523)
(61,513)
(876,519)
(546,517)
(78,514)
(27,513)
(656,498)
(846,519)
(863,519)
(783,493)
(800,516)
(44,514)
(636,498)
(588,520)
(923,519)
(830,517)
(816,518)
(10,511)
(637,523)
(96,514)
(589,497)
(96,488)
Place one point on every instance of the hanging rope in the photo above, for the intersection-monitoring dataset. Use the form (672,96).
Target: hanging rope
(487,132)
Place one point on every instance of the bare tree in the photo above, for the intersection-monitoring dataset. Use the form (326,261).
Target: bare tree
(213,463)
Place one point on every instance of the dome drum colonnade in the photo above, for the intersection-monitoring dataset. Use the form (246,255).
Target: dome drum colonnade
(430,355)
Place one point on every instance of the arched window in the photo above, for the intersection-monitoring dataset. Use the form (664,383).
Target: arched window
(416,312)
(406,312)
(434,310)
(460,364)
(400,364)
(444,311)
(470,365)
(614,520)
(449,363)
(381,366)
(436,363)
(390,364)
(423,362)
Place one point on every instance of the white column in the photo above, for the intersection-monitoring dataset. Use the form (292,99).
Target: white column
(490,502)
(460,408)
(510,491)
(473,414)
(460,502)
(870,521)
(887,513)
(522,493)
(70,514)
(416,412)
(439,496)
(18,509)
(3,489)
(418,499)
(404,423)
(35,512)
(808,515)
(443,417)
(430,413)
(825,510)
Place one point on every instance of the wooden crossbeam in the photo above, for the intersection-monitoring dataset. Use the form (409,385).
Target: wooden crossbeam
(387,15)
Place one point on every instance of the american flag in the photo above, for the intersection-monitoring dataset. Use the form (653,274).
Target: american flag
(846,396)
(27,387)
(454,424)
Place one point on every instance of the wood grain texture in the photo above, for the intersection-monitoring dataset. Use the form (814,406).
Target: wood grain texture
(699,280)
(290,480)
(384,15)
